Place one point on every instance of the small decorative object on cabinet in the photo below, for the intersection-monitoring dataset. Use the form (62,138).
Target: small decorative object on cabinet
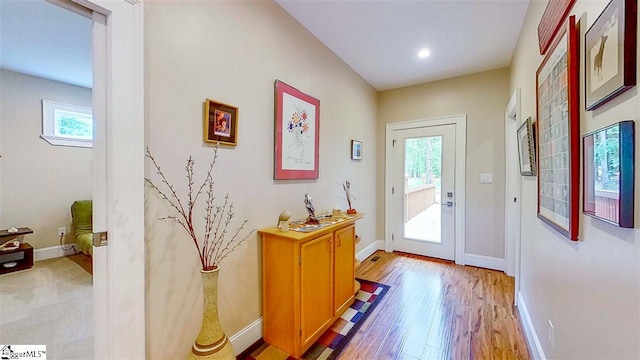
(212,248)
(308,202)
(347,191)
(610,53)
(559,133)
(307,282)
(609,174)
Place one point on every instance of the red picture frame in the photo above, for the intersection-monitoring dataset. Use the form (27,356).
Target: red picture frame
(552,19)
(558,133)
(297,134)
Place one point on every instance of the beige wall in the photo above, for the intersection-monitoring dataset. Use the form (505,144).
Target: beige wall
(232,52)
(483,97)
(39,181)
(589,289)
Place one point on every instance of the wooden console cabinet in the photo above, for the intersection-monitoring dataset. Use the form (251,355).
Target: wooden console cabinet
(307,283)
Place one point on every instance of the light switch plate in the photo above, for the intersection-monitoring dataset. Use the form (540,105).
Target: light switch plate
(486,178)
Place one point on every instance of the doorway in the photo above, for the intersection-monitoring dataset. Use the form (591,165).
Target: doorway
(47,157)
(512,192)
(425,199)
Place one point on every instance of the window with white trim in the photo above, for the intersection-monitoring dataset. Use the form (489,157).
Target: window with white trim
(66,124)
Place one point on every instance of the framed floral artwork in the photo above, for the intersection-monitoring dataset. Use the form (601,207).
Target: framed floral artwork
(297,134)
(558,133)
(220,123)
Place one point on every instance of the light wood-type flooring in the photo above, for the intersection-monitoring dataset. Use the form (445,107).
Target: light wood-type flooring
(437,310)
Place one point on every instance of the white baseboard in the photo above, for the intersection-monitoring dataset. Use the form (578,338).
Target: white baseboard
(530,332)
(487,262)
(247,336)
(373,247)
(52,252)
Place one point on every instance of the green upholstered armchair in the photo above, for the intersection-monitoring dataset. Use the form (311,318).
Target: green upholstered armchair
(82,228)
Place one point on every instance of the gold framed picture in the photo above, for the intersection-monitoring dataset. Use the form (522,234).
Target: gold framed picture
(220,123)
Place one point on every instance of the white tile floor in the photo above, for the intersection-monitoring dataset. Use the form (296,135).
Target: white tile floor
(50,304)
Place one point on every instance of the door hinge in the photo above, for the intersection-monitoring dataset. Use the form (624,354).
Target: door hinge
(300,332)
(393,190)
(393,237)
(393,142)
(300,260)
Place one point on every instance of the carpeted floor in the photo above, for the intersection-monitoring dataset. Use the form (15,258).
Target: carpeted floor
(331,343)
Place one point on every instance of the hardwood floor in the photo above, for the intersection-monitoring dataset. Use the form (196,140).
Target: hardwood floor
(437,310)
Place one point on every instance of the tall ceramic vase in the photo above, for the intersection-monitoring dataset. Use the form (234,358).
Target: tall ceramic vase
(212,343)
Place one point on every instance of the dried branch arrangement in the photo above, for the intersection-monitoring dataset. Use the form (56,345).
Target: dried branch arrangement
(347,190)
(216,243)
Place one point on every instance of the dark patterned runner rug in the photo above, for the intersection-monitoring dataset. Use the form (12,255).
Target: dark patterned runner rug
(334,340)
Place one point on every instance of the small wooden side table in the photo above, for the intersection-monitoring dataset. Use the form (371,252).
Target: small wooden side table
(22,256)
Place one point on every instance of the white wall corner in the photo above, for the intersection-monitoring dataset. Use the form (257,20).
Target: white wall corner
(53,252)
(247,336)
(533,342)
(367,251)
(487,262)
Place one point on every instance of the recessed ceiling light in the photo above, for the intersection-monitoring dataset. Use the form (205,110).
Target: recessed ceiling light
(424,53)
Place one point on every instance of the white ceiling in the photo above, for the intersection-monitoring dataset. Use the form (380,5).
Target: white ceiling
(378,39)
(45,40)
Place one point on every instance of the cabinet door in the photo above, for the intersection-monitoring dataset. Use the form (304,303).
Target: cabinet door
(345,252)
(316,277)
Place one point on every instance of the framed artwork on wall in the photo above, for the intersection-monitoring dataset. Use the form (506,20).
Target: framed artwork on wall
(558,131)
(610,53)
(297,134)
(526,149)
(608,174)
(220,123)
(552,18)
(356,150)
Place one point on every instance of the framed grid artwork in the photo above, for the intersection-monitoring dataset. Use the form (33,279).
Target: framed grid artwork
(558,114)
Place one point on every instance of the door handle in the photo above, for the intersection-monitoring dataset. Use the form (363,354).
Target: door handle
(448,204)
(100,239)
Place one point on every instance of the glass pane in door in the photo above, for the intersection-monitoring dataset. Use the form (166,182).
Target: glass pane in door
(422,210)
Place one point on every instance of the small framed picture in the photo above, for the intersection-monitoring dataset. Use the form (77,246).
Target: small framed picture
(610,53)
(526,149)
(608,174)
(356,150)
(220,123)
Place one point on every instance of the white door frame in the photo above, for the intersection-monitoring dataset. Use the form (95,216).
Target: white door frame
(119,292)
(460,176)
(512,226)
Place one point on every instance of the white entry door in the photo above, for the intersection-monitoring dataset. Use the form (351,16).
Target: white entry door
(423,192)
